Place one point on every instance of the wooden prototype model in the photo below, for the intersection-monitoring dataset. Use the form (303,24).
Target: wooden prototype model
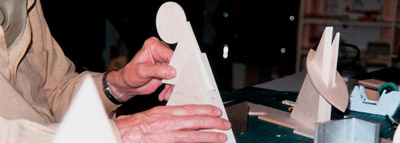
(323,86)
(194,83)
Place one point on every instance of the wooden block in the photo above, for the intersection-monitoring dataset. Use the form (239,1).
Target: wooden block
(372,83)
(371,88)
(237,112)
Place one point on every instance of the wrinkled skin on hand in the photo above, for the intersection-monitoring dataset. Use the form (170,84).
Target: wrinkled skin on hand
(143,74)
(170,124)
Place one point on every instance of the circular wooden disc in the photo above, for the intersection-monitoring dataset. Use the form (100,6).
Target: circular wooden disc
(170,22)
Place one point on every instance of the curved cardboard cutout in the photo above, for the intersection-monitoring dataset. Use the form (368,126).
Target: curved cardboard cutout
(194,83)
(323,86)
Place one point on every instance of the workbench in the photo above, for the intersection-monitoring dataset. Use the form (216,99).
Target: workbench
(272,94)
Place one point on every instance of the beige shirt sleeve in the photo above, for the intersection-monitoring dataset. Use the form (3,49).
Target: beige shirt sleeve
(25,131)
(61,79)
(60,96)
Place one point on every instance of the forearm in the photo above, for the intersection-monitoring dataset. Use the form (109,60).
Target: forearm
(117,88)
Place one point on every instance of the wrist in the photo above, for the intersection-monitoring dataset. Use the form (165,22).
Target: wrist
(117,87)
(108,89)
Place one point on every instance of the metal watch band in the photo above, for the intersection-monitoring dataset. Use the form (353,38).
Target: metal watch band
(106,89)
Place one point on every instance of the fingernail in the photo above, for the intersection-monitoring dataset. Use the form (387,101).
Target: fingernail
(218,112)
(160,98)
(222,138)
(227,124)
(171,72)
(166,97)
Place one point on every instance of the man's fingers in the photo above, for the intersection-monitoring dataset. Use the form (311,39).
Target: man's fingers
(150,87)
(169,92)
(199,122)
(165,93)
(199,136)
(186,110)
(188,136)
(160,71)
(185,123)
(161,96)
(160,51)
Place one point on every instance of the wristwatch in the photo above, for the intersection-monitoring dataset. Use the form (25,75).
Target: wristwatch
(106,89)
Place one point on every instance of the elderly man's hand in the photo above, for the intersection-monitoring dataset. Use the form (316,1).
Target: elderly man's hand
(143,74)
(173,124)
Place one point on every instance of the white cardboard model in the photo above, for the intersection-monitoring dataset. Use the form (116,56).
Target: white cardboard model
(86,120)
(195,82)
(323,86)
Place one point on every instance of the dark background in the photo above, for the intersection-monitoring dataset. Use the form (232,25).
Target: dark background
(255,32)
